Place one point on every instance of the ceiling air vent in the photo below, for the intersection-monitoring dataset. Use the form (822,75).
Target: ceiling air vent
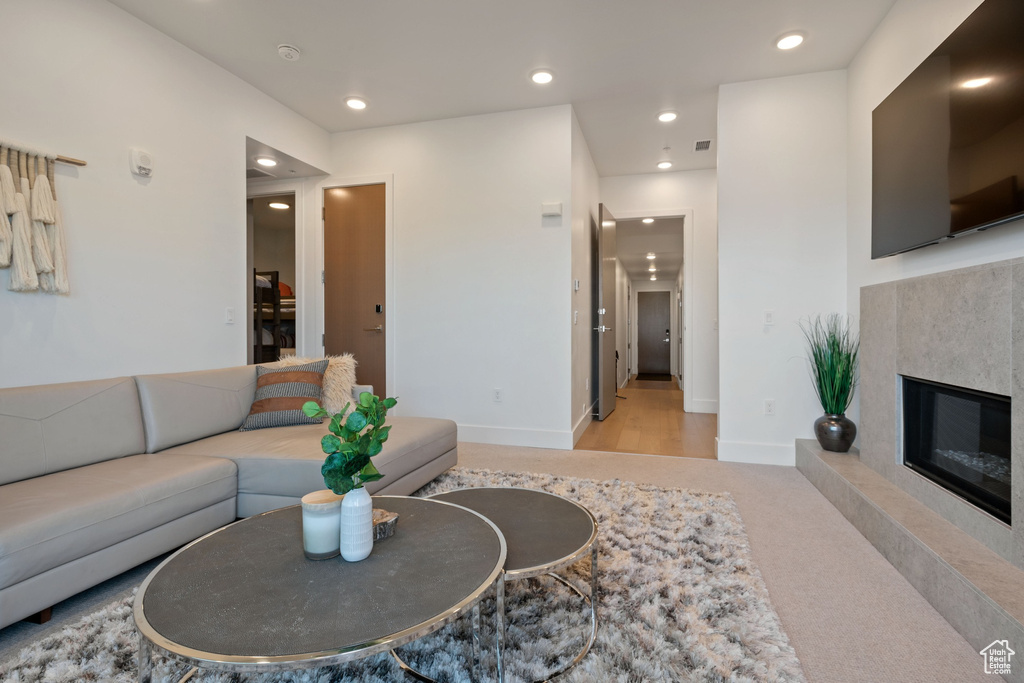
(254,173)
(701,145)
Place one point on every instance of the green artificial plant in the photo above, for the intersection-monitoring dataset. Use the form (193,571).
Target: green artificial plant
(832,350)
(352,441)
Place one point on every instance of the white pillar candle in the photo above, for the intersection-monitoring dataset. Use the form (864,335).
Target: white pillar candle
(321,524)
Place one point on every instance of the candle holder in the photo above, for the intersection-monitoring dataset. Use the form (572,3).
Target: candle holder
(321,525)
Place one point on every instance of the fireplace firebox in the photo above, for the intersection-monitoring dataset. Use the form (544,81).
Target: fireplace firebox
(960,439)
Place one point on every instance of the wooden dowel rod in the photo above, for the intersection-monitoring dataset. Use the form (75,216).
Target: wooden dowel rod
(70,160)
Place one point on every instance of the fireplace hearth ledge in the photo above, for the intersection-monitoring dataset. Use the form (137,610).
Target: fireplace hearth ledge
(978,592)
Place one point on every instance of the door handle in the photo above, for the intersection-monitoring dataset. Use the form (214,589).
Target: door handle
(602,328)
(666,340)
(379,328)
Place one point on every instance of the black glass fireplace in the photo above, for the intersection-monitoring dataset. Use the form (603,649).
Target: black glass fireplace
(960,439)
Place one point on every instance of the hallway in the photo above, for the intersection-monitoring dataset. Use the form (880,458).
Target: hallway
(650,419)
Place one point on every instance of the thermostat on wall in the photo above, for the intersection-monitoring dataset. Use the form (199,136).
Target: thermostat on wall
(141,162)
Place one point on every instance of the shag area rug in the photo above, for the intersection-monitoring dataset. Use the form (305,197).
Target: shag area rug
(680,600)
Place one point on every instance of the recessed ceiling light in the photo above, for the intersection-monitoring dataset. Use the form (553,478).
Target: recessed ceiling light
(667,116)
(356,103)
(976,82)
(654,277)
(789,41)
(648,221)
(542,76)
(650,257)
(278,205)
(652,269)
(266,161)
(665,164)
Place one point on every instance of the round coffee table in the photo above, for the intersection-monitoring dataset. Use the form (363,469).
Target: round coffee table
(245,599)
(544,533)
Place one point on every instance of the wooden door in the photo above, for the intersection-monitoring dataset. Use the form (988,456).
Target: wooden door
(354,302)
(654,339)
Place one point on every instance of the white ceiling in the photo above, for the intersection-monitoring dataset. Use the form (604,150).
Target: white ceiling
(634,239)
(288,167)
(618,62)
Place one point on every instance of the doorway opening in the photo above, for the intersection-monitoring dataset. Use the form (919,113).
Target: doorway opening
(272,241)
(653,288)
(276,191)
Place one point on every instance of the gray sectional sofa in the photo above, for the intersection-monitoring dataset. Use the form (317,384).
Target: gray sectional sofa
(97,477)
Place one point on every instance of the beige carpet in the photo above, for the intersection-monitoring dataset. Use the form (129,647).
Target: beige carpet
(848,613)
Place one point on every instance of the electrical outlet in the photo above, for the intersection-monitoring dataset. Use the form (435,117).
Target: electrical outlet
(497,395)
(769,406)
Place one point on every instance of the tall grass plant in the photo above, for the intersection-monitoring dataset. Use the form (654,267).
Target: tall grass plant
(832,349)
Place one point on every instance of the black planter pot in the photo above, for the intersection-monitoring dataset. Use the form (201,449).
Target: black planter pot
(835,432)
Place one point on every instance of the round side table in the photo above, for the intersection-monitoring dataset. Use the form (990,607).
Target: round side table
(543,533)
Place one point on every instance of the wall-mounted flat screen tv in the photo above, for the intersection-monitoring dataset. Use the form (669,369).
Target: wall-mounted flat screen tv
(948,142)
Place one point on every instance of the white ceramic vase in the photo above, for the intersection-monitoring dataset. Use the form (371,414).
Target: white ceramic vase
(356,525)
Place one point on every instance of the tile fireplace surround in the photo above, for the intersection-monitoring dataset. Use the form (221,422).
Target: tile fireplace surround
(963,328)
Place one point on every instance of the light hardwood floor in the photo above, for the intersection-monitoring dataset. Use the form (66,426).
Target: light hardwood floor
(650,419)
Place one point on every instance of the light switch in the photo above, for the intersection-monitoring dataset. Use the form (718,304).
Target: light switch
(551,209)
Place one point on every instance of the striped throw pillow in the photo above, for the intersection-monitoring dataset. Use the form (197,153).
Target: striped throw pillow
(280,393)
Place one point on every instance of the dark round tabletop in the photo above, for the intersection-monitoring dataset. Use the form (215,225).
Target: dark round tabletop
(542,531)
(247,597)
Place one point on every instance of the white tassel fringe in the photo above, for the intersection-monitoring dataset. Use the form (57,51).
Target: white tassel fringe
(23,273)
(7,190)
(57,281)
(6,239)
(42,201)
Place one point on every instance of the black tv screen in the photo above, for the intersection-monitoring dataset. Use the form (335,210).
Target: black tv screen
(948,142)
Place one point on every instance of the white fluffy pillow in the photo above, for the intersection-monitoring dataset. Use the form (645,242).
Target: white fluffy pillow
(338,380)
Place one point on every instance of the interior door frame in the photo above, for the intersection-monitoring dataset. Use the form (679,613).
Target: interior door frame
(688,280)
(390,306)
(298,188)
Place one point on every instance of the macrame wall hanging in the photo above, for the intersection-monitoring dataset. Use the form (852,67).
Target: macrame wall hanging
(32,242)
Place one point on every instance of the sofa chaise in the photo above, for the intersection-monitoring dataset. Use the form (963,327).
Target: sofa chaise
(97,477)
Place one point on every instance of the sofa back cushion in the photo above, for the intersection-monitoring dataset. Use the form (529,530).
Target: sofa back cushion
(185,406)
(55,427)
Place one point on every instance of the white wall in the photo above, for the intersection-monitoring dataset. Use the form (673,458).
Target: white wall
(623,323)
(585,188)
(781,230)
(480,288)
(674,194)
(274,249)
(677,346)
(910,32)
(87,80)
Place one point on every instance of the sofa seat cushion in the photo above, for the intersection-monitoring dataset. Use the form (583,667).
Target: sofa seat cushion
(286,461)
(60,517)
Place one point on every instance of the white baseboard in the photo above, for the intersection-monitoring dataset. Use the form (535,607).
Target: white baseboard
(581,426)
(702,405)
(508,436)
(757,453)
